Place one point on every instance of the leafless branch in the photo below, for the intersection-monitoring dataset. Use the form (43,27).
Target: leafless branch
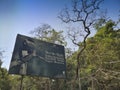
(82,12)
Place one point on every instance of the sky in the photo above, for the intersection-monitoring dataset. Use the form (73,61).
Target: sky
(22,16)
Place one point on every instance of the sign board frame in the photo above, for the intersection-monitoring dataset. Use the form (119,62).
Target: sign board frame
(37,58)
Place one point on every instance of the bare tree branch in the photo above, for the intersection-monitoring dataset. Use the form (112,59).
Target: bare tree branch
(82,12)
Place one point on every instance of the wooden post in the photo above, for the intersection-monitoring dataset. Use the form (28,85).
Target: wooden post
(21,82)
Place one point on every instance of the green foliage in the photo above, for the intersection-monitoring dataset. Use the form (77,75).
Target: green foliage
(4,80)
(1,55)
(102,53)
(4,77)
(46,33)
(99,63)
(99,23)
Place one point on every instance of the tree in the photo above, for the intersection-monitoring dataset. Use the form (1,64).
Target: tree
(1,55)
(102,53)
(4,78)
(83,12)
(99,62)
(46,33)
